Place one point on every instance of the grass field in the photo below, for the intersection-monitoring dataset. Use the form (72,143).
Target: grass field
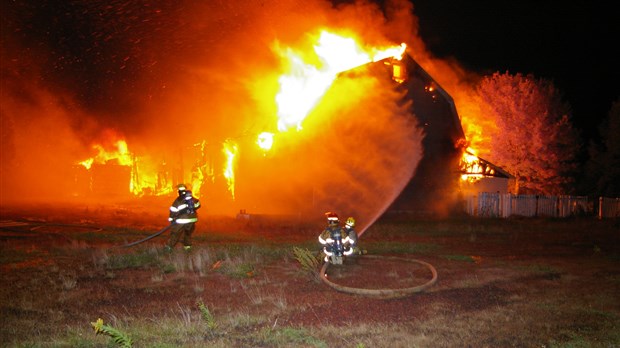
(501,283)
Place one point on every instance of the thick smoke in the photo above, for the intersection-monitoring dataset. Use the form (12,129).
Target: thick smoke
(166,75)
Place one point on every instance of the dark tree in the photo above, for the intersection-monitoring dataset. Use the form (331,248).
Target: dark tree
(603,167)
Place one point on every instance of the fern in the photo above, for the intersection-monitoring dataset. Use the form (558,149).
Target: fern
(207,316)
(309,262)
(119,337)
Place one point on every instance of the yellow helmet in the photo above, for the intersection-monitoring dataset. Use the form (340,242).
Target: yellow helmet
(181,189)
(350,222)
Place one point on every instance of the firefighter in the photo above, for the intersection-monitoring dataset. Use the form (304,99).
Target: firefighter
(349,228)
(183,218)
(330,233)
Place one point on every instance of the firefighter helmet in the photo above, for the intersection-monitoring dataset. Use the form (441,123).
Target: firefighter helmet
(350,222)
(332,218)
(181,188)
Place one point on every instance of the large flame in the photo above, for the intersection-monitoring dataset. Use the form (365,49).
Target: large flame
(119,152)
(166,87)
(309,76)
(141,181)
(304,85)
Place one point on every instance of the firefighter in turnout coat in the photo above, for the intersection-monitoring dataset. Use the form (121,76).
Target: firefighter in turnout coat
(331,232)
(183,218)
(349,228)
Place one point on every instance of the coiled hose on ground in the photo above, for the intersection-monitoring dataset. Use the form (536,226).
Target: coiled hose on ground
(383,293)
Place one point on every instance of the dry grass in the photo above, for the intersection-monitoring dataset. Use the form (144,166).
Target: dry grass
(501,284)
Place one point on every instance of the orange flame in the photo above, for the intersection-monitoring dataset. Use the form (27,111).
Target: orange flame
(199,170)
(309,76)
(141,181)
(119,153)
(473,170)
(230,150)
(306,83)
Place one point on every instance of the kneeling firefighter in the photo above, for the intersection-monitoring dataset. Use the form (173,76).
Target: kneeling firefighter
(334,239)
(183,218)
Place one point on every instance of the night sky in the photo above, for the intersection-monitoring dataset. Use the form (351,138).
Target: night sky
(574,44)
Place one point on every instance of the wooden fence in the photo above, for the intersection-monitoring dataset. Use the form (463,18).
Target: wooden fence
(487,204)
(608,207)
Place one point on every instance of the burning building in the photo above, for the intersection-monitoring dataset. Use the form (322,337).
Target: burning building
(433,188)
(480,175)
(301,117)
(448,170)
(353,146)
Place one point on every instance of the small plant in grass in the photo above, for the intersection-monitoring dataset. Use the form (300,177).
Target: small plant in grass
(242,270)
(235,268)
(69,281)
(289,336)
(207,316)
(142,259)
(465,258)
(309,262)
(119,337)
(253,293)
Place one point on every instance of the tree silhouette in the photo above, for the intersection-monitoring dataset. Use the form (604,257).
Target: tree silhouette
(603,167)
(533,139)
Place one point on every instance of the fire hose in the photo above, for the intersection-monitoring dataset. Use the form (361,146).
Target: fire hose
(147,238)
(10,226)
(383,293)
(36,227)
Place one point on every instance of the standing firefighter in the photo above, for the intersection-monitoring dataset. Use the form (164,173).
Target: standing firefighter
(333,239)
(183,218)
